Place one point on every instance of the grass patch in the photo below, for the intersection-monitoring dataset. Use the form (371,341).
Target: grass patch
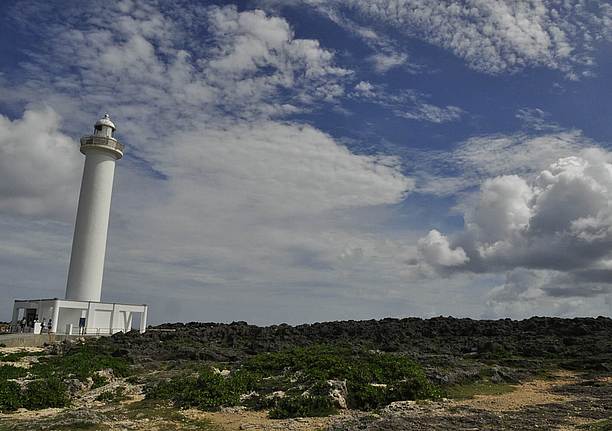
(10,372)
(602,425)
(38,394)
(303,406)
(81,362)
(167,415)
(113,396)
(66,420)
(479,388)
(10,396)
(300,370)
(16,356)
(206,391)
(41,394)
(98,381)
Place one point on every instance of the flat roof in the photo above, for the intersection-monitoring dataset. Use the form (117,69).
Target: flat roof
(75,300)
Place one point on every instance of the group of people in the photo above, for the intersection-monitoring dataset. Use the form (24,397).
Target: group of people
(45,326)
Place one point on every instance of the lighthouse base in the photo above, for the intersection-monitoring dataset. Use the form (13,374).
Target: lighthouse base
(77,317)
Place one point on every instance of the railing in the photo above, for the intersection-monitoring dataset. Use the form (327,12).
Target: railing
(93,140)
(92,331)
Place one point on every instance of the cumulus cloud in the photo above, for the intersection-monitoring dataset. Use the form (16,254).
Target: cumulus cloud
(39,166)
(495,36)
(435,249)
(527,292)
(557,224)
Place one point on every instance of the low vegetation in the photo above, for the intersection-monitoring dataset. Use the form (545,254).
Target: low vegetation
(297,382)
(478,388)
(80,363)
(16,356)
(113,395)
(38,394)
(43,385)
(8,372)
(603,425)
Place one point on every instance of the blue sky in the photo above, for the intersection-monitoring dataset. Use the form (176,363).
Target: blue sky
(304,160)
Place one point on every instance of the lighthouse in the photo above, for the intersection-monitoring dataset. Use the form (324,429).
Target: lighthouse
(101,150)
(82,312)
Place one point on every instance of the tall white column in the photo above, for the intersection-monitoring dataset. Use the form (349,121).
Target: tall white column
(143,320)
(89,242)
(55,319)
(15,317)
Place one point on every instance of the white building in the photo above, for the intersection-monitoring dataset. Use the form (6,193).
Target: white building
(82,312)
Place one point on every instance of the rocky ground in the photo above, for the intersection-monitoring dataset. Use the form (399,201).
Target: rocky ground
(540,373)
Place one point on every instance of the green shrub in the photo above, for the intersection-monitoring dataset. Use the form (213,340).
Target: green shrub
(302,369)
(113,396)
(404,378)
(364,396)
(98,381)
(15,356)
(302,406)
(44,393)
(207,391)
(10,396)
(11,372)
(320,363)
(81,363)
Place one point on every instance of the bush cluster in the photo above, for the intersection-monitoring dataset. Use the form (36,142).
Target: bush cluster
(303,373)
(208,390)
(10,372)
(113,396)
(81,363)
(15,356)
(46,389)
(398,377)
(38,394)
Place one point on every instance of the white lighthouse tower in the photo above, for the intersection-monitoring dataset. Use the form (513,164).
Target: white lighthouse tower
(81,312)
(89,242)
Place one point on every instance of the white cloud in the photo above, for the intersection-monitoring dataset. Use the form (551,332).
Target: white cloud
(503,208)
(435,250)
(384,62)
(365,88)
(39,166)
(494,36)
(408,104)
(527,292)
(432,113)
(389,54)
(557,222)
(536,119)
(281,169)
(483,157)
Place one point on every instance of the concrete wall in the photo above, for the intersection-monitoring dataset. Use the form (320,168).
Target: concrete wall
(31,340)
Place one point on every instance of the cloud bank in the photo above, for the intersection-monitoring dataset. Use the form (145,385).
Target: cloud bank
(495,36)
(552,232)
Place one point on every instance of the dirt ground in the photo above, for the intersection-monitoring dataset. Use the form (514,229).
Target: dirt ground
(563,401)
(544,394)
